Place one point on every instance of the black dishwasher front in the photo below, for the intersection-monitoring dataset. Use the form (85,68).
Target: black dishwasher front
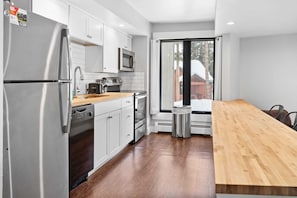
(81,144)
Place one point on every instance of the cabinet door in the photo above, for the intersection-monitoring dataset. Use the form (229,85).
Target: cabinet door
(127,125)
(77,23)
(125,41)
(95,31)
(129,43)
(100,139)
(113,132)
(56,10)
(110,50)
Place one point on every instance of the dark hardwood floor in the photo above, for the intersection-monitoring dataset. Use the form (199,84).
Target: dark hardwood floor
(157,166)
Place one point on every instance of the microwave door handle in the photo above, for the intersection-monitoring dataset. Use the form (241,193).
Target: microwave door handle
(120,58)
(131,62)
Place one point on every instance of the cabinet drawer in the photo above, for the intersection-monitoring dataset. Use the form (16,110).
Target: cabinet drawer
(127,118)
(127,101)
(107,106)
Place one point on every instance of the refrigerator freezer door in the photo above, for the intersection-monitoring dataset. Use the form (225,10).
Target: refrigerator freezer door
(34,52)
(36,156)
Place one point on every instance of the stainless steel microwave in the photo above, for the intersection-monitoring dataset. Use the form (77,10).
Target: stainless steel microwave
(126,60)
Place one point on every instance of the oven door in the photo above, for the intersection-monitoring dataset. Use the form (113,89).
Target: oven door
(140,130)
(140,107)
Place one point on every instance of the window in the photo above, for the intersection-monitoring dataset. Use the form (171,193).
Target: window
(187,74)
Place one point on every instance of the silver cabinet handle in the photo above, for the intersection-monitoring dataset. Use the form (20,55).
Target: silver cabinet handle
(109,117)
(89,36)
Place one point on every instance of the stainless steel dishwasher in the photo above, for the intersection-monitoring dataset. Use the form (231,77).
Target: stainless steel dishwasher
(81,144)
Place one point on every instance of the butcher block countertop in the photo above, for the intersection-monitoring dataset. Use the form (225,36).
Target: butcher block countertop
(95,98)
(253,152)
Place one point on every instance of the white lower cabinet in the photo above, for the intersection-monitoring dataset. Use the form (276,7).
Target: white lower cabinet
(113,136)
(110,50)
(113,128)
(100,137)
(127,123)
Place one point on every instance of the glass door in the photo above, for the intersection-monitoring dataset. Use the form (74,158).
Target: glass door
(187,74)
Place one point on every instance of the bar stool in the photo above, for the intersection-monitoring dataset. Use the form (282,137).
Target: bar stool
(293,124)
(276,111)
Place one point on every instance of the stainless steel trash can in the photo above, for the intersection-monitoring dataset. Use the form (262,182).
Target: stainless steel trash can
(181,121)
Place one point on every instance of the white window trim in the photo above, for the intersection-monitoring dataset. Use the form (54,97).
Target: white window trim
(183,35)
(157,115)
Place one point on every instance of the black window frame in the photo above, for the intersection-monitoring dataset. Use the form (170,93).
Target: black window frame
(186,70)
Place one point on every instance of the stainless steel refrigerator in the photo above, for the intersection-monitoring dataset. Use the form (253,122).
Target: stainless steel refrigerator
(37,106)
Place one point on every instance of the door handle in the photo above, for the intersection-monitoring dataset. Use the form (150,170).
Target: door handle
(65,120)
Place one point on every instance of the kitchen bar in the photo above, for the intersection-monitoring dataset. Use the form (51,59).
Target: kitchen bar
(254,154)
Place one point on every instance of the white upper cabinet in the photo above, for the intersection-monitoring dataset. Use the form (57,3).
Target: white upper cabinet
(125,41)
(56,10)
(85,28)
(113,40)
(110,50)
(77,23)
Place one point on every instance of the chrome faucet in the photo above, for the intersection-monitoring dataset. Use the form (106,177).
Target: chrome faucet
(81,78)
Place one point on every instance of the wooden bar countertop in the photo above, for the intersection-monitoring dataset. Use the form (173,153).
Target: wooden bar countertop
(253,153)
(95,98)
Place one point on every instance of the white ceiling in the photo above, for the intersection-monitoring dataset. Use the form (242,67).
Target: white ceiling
(251,17)
(256,17)
(175,11)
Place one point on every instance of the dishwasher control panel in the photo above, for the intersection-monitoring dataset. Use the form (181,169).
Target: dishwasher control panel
(82,113)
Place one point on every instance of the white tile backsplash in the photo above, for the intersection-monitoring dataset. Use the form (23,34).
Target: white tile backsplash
(78,59)
(78,54)
(132,80)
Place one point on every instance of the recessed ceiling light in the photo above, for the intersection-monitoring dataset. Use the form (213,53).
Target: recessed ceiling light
(122,25)
(231,23)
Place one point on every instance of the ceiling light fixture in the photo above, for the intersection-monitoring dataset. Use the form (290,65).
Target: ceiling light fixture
(231,23)
(122,25)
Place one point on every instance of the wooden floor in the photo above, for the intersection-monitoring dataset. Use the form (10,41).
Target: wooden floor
(157,166)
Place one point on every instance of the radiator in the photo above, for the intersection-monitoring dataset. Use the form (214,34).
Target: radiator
(196,127)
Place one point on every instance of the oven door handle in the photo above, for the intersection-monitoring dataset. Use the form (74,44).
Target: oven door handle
(140,97)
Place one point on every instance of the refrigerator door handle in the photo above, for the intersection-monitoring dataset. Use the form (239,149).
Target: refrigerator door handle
(66,120)
(65,34)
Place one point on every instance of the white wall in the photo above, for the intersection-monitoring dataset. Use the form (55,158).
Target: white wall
(268,71)
(1,99)
(230,67)
(173,27)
